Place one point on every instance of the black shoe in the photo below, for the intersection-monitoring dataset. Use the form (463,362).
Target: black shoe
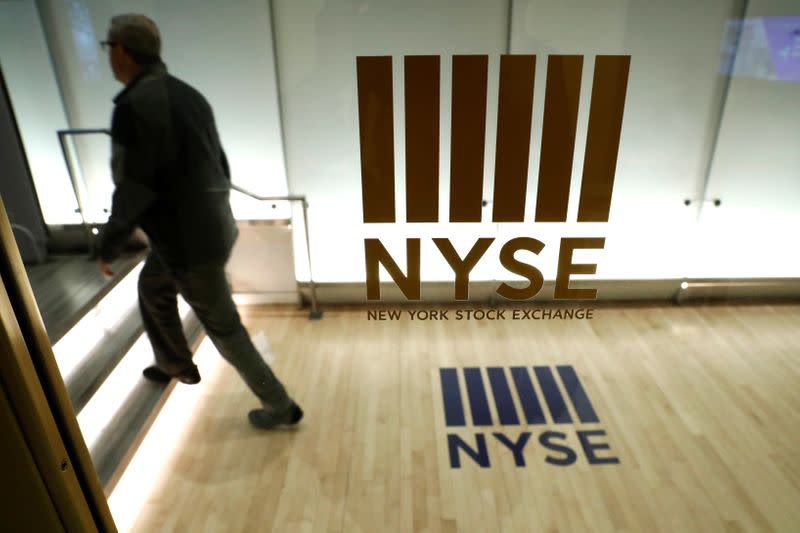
(153,373)
(268,419)
(190,376)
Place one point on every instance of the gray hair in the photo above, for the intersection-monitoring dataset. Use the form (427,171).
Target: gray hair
(139,36)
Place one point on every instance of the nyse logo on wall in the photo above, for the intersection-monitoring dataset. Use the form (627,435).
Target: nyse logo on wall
(468,132)
(524,408)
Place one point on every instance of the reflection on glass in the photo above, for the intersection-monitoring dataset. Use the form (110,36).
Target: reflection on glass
(85,39)
(762,47)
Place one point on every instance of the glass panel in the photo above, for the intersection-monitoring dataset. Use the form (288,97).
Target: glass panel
(751,195)
(34,93)
(515,199)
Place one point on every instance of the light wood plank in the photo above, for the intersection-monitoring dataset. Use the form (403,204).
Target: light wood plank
(701,404)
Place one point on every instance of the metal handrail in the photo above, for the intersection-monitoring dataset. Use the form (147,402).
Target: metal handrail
(83,131)
(291,197)
(73,176)
(315,313)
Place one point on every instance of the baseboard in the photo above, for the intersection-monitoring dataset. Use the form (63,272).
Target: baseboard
(266,298)
(701,290)
(607,290)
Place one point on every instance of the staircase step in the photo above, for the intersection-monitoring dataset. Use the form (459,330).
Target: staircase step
(96,366)
(119,440)
(67,287)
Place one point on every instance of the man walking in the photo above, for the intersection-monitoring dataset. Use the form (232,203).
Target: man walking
(172,179)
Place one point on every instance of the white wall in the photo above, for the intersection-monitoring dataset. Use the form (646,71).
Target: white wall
(224,50)
(38,108)
(673,104)
(317,45)
(672,107)
(675,96)
(755,173)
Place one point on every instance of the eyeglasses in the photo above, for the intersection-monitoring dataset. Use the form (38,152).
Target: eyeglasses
(107,45)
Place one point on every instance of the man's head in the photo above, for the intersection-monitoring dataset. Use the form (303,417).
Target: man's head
(133,42)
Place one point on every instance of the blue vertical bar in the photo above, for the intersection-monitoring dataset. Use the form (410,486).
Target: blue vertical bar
(580,400)
(558,409)
(451,395)
(478,402)
(527,396)
(502,397)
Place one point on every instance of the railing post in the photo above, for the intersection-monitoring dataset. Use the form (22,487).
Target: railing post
(315,314)
(76,185)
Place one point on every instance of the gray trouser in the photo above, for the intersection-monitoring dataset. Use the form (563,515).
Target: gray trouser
(206,290)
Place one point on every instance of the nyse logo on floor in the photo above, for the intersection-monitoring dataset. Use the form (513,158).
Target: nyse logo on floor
(525,409)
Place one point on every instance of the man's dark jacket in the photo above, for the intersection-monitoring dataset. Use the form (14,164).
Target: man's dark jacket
(171,175)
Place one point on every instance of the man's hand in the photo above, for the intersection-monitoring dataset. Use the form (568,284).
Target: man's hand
(104,268)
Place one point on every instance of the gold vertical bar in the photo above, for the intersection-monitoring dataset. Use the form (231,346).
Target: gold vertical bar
(513,137)
(376,129)
(422,138)
(602,140)
(558,137)
(468,135)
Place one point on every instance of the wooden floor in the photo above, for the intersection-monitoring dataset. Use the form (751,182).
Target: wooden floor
(701,405)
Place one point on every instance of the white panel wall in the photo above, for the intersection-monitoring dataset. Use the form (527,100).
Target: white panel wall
(224,50)
(675,96)
(37,106)
(672,107)
(317,44)
(755,173)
